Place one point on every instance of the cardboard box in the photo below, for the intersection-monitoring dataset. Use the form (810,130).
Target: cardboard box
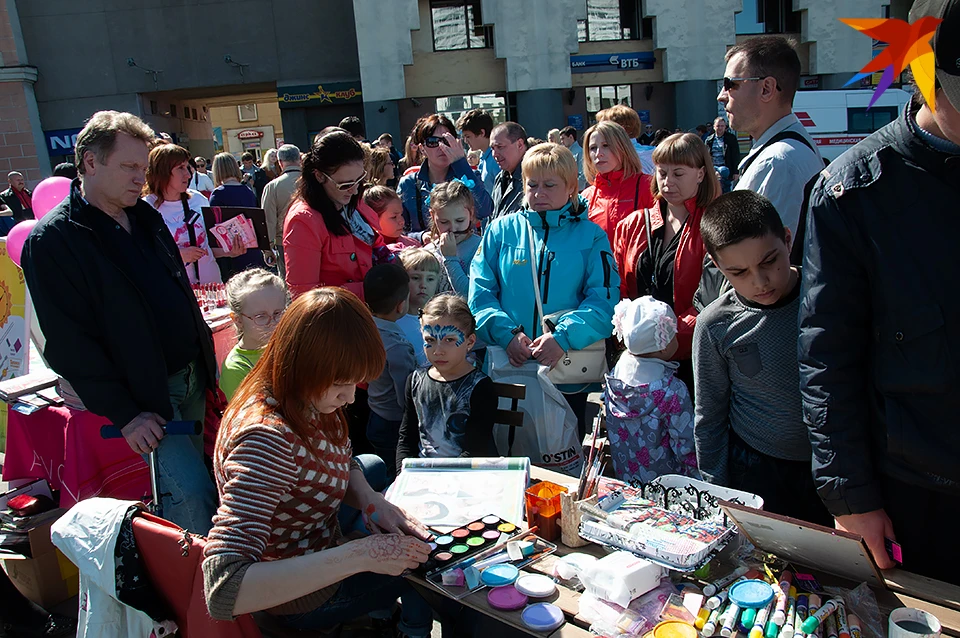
(46,577)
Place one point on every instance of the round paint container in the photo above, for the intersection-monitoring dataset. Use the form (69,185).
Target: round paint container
(499,575)
(543,617)
(460,549)
(433,546)
(443,557)
(476,527)
(459,533)
(674,629)
(507,528)
(444,541)
(751,594)
(476,541)
(506,598)
(491,521)
(536,585)
(491,534)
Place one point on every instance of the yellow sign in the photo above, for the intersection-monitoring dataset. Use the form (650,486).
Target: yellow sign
(14,332)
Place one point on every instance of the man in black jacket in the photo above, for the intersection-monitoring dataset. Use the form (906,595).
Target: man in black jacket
(880,325)
(121,322)
(18,197)
(725,151)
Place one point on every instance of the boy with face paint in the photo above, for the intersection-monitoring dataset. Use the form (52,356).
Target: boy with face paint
(450,405)
(748,427)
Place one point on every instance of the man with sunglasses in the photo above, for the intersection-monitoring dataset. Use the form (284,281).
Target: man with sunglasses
(759,83)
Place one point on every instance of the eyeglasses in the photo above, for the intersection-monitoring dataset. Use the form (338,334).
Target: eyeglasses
(730,84)
(263,319)
(433,141)
(345,186)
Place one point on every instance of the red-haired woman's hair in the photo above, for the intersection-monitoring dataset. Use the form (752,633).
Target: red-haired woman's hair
(163,159)
(326,337)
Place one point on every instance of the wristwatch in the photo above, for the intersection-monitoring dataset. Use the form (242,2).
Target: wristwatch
(516,331)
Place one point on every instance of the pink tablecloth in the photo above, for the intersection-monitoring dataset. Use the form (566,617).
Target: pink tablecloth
(64,447)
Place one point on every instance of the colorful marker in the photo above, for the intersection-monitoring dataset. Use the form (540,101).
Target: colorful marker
(747,619)
(814,620)
(843,629)
(760,621)
(712,588)
(716,601)
(801,615)
(791,614)
(812,606)
(702,618)
(854,623)
(730,620)
(780,615)
(710,627)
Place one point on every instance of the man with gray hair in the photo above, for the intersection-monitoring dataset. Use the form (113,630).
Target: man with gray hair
(121,322)
(18,197)
(508,141)
(277,195)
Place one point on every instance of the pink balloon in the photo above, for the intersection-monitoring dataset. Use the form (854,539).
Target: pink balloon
(17,237)
(48,194)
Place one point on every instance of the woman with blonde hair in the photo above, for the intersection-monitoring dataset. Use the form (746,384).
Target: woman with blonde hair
(229,191)
(668,265)
(269,164)
(382,169)
(612,167)
(553,136)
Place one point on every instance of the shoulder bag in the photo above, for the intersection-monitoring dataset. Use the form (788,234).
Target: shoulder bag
(576,367)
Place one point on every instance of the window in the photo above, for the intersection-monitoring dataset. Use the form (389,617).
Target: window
(603,97)
(247,112)
(767,16)
(860,120)
(613,20)
(193,114)
(153,107)
(457,24)
(173,110)
(455,106)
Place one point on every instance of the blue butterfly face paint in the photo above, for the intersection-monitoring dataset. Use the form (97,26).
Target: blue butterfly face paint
(439,333)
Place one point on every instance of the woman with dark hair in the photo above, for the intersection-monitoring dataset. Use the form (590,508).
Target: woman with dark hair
(330,234)
(445,160)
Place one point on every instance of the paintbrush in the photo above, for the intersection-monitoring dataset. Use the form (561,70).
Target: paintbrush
(590,458)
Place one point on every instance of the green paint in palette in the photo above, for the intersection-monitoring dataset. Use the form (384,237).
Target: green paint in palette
(460,549)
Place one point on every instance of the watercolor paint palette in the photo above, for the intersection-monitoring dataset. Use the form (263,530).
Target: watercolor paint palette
(457,565)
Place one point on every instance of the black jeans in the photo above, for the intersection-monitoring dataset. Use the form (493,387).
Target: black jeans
(578,403)
(786,487)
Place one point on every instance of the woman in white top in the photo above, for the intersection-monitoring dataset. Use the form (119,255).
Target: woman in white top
(201,180)
(168,178)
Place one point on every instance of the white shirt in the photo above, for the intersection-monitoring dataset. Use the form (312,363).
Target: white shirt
(781,170)
(201,182)
(645,153)
(172,213)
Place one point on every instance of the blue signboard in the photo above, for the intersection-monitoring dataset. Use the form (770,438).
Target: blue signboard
(612,62)
(644,116)
(61,141)
(576,121)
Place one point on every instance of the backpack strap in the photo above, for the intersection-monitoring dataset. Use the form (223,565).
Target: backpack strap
(782,135)
(189,217)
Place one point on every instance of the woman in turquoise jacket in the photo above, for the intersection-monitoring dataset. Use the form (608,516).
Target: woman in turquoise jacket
(574,261)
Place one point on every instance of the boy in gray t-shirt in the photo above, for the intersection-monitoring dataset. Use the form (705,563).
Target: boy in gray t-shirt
(749,428)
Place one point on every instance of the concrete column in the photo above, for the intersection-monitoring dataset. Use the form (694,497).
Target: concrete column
(388,121)
(696,103)
(694,36)
(540,110)
(383,46)
(834,46)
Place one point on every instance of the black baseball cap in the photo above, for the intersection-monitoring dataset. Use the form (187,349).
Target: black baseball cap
(945,43)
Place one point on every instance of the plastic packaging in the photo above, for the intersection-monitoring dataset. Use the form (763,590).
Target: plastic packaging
(621,577)
(863,604)
(610,619)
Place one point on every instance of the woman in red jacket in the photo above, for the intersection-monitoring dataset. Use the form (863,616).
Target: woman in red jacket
(612,166)
(329,234)
(669,267)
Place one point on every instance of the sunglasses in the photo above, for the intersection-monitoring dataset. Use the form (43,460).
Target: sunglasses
(345,186)
(433,142)
(730,84)
(263,319)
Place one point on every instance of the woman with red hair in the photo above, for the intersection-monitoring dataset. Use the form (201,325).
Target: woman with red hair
(284,467)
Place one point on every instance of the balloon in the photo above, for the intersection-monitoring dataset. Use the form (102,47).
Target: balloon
(17,237)
(48,194)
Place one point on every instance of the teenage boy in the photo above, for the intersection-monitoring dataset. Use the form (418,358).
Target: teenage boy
(424,272)
(749,427)
(475,128)
(386,289)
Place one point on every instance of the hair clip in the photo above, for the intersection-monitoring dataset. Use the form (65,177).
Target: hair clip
(466,181)
(426,202)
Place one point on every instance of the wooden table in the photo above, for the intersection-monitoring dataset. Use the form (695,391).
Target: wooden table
(904,589)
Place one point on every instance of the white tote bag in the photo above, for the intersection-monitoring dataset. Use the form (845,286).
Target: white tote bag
(549,432)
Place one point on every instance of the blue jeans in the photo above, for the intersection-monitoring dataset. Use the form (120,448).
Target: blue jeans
(383,436)
(190,498)
(375,471)
(725,181)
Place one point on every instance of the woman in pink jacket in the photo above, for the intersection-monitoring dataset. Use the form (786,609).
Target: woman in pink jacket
(329,235)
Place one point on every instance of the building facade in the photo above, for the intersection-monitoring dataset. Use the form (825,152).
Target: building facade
(543,63)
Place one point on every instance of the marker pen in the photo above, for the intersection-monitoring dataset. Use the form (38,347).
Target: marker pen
(712,588)
(814,620)
(716,601)
(812,606)
(854,623)
(801,615)
(760,621)
(730,620)
(780,614)
(830,626)
(702,618)
(747,619)
(710,627)
(791,614)
(843,629)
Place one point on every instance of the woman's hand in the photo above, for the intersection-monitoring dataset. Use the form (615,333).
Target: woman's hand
(236,249)
(390,554)
(447,245)
(382,517)
(453,149)
(190,254)
(546,350)
(519,350)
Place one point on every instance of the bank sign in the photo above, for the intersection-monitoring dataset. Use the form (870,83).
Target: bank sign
(612,62)
(61,141)
(318,94)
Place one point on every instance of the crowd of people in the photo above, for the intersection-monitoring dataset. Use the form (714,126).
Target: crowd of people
(397,277)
